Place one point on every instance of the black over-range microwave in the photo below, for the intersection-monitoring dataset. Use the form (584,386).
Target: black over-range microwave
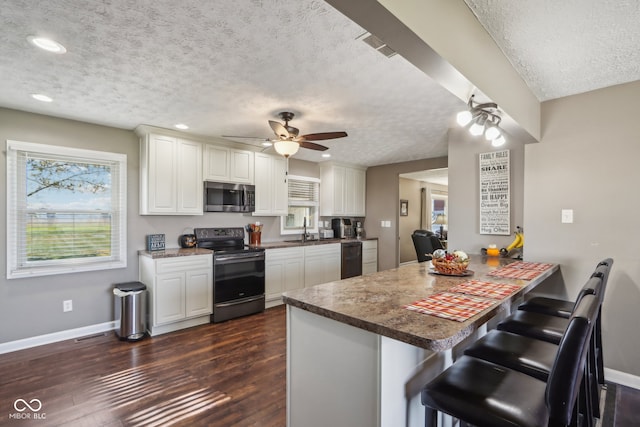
(226,197)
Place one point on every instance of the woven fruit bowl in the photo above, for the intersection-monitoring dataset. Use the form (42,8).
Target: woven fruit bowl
(452,267)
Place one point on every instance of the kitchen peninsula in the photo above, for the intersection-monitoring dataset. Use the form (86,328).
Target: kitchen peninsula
(357,357)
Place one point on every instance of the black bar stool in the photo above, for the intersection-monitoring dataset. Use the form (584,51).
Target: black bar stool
(536,357)
(486,394)
(563,308)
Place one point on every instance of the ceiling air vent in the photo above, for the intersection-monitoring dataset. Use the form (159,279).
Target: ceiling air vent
(377,44)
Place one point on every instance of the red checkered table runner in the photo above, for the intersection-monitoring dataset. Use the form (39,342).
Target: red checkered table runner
(485,289)
(451,306)
(515,273)
(526,265)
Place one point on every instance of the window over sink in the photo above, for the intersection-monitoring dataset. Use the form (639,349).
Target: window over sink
(303,199)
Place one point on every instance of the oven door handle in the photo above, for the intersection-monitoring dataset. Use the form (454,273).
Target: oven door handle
(240,301)
(232,259)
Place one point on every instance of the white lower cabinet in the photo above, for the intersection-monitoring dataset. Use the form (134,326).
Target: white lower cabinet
(284,271)
(369,256)
(180,291)
(322,264)
(287,269)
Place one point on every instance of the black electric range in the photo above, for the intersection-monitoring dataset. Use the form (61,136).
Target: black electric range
(238,272)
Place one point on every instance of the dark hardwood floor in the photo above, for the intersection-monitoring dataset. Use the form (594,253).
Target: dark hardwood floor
(219,375)
(226,374)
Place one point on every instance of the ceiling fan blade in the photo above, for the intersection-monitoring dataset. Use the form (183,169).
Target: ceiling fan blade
(312,146)
(280,130)
(245,137)
(322,135)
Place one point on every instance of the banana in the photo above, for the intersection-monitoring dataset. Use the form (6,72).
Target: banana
(521,242)
(516,241)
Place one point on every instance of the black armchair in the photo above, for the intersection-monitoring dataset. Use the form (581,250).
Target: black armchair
(422,241)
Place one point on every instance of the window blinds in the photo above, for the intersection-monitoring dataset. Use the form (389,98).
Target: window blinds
(66,210)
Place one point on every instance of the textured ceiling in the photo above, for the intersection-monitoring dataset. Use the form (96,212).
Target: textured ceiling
(223,68)
(226,68)
(566,47)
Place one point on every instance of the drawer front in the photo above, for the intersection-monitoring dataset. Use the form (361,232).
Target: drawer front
(283,254)
(370,255)
(319,250)
(193,262)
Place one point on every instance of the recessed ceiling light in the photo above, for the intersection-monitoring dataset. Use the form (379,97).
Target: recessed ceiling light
(267,144)
(326,155)
(182,126)
(47,44)
(41,97)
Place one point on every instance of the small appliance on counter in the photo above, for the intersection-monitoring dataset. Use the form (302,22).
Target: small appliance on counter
(326,233)
(188,241)
(359,230)
(342,228)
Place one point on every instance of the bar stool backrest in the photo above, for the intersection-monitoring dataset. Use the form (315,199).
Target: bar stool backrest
(566,375)
(603,269)
(594,286)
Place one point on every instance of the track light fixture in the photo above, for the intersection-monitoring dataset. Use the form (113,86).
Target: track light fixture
(482,118)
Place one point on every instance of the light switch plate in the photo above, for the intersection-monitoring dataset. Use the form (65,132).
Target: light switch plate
(567,216)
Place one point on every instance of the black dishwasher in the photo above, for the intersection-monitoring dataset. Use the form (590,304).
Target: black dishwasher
(351,259)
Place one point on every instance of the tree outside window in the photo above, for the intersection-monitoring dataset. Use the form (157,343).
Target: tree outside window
(66,210)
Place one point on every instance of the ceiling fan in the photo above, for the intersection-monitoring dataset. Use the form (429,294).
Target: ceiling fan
(288,139)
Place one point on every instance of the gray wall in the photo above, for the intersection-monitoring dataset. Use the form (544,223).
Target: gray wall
(588,161)
(464,199)
(410,191)
(33,307)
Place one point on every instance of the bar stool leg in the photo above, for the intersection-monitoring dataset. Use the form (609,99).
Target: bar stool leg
(430,417)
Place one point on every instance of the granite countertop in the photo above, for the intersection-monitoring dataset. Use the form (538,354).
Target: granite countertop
(175,252)
(375,302)
(295,243)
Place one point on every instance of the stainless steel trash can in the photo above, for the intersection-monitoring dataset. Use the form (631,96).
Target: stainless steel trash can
(130,309)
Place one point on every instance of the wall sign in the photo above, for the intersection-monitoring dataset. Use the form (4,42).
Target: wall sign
(495,212)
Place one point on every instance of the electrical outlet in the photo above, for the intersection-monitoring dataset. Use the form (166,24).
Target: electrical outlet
(67,305)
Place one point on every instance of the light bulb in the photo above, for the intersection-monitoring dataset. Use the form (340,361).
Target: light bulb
(498,141)
(286,147)
(476,129)
(464,117)
(492,133)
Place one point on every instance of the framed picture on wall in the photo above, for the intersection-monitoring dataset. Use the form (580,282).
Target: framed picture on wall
(404,207)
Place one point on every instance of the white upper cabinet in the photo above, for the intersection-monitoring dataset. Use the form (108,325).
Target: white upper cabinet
(342,190)
(170,176)
(224,164)
(271,185)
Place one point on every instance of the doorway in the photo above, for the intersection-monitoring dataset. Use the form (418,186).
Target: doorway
(425,194)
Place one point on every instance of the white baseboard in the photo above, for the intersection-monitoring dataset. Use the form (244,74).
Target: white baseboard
(8,347)
(622,378)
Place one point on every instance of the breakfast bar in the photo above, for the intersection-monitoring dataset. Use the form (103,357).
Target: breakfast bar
(360,349)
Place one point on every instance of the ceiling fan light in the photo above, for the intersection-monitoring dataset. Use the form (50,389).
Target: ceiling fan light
(498,141)
(267,143)
(464,117)
(492,133)
(286,148)
(476,129)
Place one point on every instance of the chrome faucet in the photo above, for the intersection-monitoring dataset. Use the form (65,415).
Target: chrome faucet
(305,236)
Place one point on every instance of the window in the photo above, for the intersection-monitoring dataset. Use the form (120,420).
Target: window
(304,194)
(66,210)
